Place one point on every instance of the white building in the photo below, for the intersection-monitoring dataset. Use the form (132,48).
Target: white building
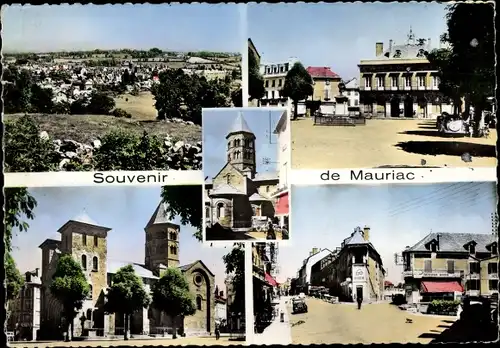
(282,131)
(274,79)
(352,92)
(304,276)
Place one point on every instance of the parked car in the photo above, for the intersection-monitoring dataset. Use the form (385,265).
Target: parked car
(299,305)
(448,124)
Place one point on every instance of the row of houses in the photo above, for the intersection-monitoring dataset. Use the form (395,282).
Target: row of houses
(398,81)
(352,270)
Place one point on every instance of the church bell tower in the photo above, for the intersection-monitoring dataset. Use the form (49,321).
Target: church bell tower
(241,146)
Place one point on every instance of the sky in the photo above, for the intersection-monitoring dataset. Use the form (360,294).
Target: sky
(338,35)
(398,215)
(177,27)
(218,122)
(125,209)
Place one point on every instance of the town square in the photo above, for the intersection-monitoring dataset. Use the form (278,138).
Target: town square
(402,93)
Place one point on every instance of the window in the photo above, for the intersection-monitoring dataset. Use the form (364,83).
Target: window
(84,262)
(473,284)
(348,93)
(368,82)
(280,82)
(421,81)
(474,267)
(472,248)
(173,250)
(358,258)
(272,94)
(407,81)
(492,268)
(327,94)
(493,284)
(250,143)
(356,102)
(494,249)
(451,266)
(327,82)
(428,266)
(95,264)
(267,83)
(273,84)
(220,210)
(268,189)
(198,303)
(380,81)
(84,239)
(435,81)
(228,145)
(434,247)
(89,297)
(282,68)
(394,81)
(228,157)
(287,66)
(96,241)
(207,213)
(237,154)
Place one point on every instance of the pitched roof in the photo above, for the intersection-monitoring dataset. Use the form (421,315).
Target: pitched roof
(225,189)
(192,264)
(454,242)
(113,266)
(160,216)
(322,72)
(263,176)
(257,197)
(239,125)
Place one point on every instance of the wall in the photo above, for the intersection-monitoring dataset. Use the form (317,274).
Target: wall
(486,278)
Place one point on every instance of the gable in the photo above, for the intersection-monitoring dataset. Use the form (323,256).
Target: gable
(236,178)
(197,265)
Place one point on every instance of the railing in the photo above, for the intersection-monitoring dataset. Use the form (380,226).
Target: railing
(337,120)
(432,273)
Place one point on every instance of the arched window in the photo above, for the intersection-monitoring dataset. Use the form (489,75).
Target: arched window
(220,210)
(171,249)
(198,302)
(84,262)
(237,154)
(228,157)
(90,292)
(238,142)
(95,264)
(228,145)
(175,250)
(250,143)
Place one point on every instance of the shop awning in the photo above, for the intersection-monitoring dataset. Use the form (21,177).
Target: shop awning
(271,280)
(439,287)
(282,205)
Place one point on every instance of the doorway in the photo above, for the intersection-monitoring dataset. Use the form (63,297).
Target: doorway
(395,112)
(359,292)
(408,107)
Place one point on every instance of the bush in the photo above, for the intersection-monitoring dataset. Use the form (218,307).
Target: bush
(25,151)
(121,113)
(122,150)
(443,306)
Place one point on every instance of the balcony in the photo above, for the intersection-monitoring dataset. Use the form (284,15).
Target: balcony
(432,274)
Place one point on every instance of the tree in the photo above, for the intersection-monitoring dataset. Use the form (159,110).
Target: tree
(126,295)
(13,278)
(237,98)
(256,89)
(168,93)
(69,286)
(100,104)
(298,86)
(19,203)
(171,295)
(179,201)
(41,100)
(25,150)
(471,61)
(17,90)
(235,266)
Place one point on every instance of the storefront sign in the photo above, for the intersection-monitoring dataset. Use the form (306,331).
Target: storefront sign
(359,275)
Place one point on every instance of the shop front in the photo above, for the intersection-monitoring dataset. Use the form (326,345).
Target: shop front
(282,208)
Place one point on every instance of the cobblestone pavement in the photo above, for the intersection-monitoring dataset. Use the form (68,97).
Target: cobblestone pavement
(374,323)
(198,341)
(384,143)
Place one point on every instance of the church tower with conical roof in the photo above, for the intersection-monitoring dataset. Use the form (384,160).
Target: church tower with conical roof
(162,241)
(241,146)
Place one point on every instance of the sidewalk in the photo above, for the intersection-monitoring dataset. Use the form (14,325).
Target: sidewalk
(277,332)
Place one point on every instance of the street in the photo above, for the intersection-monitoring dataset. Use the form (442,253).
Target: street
(385,143)
(185,341)
(374,323)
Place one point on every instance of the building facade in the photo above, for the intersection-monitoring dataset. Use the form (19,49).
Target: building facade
(282,203)
(448,265)
(351,91)
(87,242)
(325,87)
(401,82)
(357,269)
(303,282)
(238,197)
(253,50)
(274,80)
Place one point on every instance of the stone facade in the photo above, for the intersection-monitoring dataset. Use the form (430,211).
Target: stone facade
(238,193)
(87,243)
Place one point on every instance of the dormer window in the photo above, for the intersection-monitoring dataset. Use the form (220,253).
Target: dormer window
(434,247)
(494,249)
(472,248)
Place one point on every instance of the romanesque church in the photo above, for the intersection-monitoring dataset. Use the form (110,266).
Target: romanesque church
(87,242)
(238,197)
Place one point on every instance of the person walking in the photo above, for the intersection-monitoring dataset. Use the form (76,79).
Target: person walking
(217,332)
(359,300)
(271,235)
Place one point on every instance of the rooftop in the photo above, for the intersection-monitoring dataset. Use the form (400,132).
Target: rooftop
(454,242)
(322,72)
(239,125)
(160,216)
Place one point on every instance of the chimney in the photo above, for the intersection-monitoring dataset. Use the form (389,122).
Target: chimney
(315,251)
(437,237)
(366,233)
(379,49)
(390,46)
